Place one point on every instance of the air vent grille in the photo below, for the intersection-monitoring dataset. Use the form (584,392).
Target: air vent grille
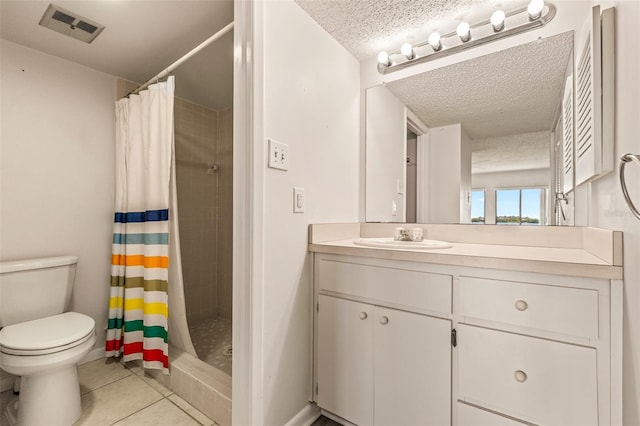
(85,26)
(63,17)
(70,24)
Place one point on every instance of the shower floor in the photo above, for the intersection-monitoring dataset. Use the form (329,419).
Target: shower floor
(211,338)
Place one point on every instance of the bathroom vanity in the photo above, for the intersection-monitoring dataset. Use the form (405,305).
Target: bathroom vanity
(507,326)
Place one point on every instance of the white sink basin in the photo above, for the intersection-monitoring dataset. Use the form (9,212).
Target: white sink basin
(408,245)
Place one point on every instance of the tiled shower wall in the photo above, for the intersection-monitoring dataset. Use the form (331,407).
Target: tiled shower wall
(205,203)
(203,139)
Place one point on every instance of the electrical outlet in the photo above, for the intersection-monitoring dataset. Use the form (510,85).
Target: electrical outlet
(278,155)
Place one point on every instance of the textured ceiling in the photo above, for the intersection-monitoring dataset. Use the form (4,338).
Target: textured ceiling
(509,153)
(509,92)
(141,38)
(365,27)
(506,101)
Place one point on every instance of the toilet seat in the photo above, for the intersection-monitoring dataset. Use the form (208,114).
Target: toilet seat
(47,335)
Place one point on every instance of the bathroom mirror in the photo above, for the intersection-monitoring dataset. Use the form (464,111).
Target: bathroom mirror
(478,141)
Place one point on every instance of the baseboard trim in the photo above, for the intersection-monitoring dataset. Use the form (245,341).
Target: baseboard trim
(335,418)
(306,416)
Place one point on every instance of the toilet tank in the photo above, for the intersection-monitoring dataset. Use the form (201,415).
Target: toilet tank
(35,288)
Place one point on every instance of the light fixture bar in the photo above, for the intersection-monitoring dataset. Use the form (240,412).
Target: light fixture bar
(546,15)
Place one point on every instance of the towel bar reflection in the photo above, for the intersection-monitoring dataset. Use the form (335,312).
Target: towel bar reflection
(627,158)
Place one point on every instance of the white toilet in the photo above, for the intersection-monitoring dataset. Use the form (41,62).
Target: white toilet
(40,342)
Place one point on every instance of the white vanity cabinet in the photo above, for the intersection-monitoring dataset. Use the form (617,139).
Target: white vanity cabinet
(377,364)
(410,343)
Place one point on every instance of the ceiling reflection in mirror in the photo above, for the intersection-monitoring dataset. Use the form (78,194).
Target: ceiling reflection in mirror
(507,103)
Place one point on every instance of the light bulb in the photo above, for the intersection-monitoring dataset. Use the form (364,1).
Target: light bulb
(434,41)
(535,9)
(497,20)
(383,58)
(407,50)
(464,31)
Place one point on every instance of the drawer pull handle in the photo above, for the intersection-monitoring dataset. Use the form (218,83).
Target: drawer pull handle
(384,320)
(521,305)
(363,315)
(520,376)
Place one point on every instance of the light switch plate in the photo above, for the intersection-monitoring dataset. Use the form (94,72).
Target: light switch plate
(298,200)
(278,155)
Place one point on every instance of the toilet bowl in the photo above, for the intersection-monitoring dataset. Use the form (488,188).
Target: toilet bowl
(44,350)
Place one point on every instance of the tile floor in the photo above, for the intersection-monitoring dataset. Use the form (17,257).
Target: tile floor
(117,394)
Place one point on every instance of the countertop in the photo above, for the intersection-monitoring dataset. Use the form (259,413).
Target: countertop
(570,261)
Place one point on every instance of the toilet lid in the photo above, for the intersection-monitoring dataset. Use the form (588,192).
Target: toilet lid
(46,334)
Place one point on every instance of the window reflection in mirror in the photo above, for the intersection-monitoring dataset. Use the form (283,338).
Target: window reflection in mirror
(521,206)
(477,206)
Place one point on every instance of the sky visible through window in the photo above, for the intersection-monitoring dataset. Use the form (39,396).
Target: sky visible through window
(508,206)
(477,206)
(531,203)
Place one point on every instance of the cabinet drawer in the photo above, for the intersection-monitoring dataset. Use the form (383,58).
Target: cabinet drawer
(469,415)
(431,292)
(532,379)
(563,310)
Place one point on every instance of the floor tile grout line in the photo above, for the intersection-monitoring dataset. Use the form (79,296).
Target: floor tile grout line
(136,412)
(171,402)
(142,408)
(142,371)
(187,413)
(106,384)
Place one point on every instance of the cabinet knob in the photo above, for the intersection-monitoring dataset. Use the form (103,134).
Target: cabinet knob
(520,376)
(521,305)
(384,320)
(363,315)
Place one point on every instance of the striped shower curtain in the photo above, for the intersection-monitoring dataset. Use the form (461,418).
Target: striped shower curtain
(138,306)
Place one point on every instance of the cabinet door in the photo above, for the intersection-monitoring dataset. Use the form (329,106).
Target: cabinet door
(345,361)
(412,369)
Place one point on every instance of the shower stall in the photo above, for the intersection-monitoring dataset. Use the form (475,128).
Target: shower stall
(203,159)
(201,216)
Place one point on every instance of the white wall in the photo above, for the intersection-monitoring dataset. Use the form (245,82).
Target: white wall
(386,154)
(606,205)
(444,174)
(311,103)
(57,169)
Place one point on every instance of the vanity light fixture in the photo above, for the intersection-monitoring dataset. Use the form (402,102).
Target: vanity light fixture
(383,59)
(464,32)
(407,50)
(497,20)
(434,41)
(500,25)
(535,9)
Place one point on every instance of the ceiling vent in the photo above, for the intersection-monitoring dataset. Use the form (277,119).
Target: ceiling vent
(71,24)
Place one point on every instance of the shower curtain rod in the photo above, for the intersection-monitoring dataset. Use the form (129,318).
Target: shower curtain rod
(194,51)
